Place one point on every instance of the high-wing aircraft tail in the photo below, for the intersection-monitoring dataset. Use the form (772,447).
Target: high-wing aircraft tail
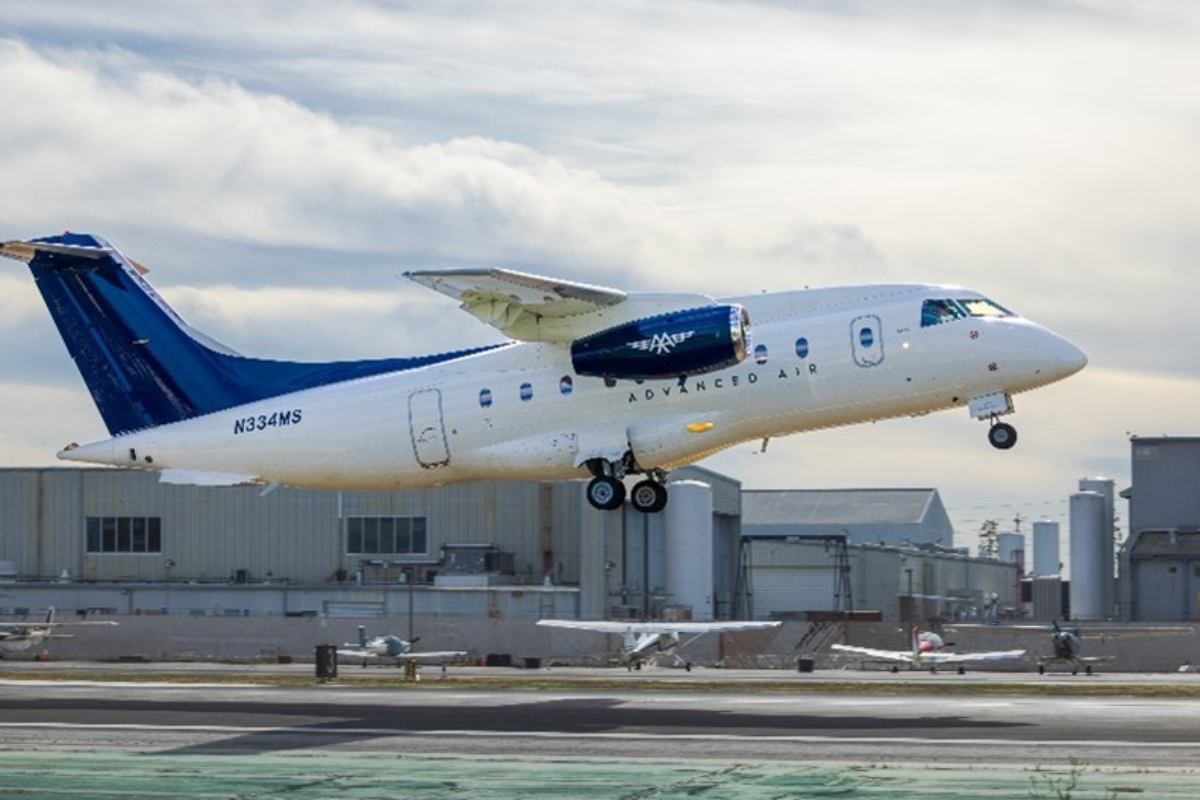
(142,363)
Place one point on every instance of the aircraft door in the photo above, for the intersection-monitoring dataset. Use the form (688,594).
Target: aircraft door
(866,340)
(428,431)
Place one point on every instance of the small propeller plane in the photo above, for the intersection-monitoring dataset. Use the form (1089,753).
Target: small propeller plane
(591,382)
(928,649)
(1067,642)
(395,648)
(17,637)
(646,642)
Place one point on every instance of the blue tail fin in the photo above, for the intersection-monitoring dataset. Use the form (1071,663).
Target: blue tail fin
(142,363)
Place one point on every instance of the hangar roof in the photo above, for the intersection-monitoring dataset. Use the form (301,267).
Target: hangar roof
(838,506)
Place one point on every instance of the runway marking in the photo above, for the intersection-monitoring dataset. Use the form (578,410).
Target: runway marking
(700,737)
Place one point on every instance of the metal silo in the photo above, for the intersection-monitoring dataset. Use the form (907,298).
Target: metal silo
(689,547)
(1088,544)
(1107,488)
(1046,555)
(1010,549)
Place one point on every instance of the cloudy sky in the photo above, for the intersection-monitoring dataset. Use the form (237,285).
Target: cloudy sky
(278,164)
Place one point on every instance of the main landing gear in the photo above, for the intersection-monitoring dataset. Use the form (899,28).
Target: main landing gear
(606,491)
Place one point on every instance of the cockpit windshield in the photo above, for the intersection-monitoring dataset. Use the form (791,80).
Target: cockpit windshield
(982,307)
(937,311)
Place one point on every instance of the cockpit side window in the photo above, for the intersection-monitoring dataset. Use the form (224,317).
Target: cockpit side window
(982,307)
(935,312)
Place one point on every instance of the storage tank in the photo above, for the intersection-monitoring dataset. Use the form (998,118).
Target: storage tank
(688,519)
(1088,543)
(1046,555)
(1010,549)
(1107,488)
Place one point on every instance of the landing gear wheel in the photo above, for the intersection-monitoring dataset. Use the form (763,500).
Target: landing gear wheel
(649,497)
(1002,436)
(605,492)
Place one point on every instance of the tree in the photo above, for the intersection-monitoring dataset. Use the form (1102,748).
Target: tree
(989,538)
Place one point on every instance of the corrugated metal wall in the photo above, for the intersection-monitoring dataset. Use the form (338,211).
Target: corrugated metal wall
(213,534)
(793,577)
(224,535)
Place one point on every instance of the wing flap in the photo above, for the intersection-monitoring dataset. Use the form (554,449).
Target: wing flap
(191,477)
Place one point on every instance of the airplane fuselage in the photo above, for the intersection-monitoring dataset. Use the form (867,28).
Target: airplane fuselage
(817,358)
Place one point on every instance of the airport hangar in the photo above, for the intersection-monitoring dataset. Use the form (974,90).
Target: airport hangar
(242,572)
(1159,574)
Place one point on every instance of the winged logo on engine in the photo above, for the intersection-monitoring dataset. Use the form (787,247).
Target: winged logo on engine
(661,343)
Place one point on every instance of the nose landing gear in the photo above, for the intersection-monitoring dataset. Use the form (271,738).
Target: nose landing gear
(1001,435)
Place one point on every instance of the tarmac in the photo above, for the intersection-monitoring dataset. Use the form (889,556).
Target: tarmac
(142,730)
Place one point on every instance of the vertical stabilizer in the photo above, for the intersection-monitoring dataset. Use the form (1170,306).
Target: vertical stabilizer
(142,363)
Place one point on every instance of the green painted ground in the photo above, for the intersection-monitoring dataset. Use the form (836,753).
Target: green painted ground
(304,776)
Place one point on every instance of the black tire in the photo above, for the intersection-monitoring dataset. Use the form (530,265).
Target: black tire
(649,497)
(1002,436)
(605,492)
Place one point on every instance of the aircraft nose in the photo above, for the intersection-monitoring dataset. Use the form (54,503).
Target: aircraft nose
(1067,359)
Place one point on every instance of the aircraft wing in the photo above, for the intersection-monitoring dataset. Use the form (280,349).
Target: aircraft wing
(437,655)
(613,626)
(425,655)
(871,652)
(534,308)
(18,628)
(957,658)
(1084,630)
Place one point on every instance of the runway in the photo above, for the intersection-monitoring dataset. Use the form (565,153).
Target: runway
(457,737)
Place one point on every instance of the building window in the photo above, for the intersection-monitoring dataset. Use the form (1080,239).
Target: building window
(124,534)
(386,535)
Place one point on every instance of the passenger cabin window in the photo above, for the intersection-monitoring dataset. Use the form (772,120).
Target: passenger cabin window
(935,312)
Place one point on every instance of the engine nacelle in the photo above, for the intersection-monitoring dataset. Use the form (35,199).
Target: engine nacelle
(672,345)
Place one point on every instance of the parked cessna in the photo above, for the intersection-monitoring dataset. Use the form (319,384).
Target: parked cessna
(395,648)
(928,649)
(592,381)
(645,642)
(17,637)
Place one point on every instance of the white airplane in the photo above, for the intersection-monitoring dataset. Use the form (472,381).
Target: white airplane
(393,647)
(593,381)
(647,641)
(928,649)
(17,637)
